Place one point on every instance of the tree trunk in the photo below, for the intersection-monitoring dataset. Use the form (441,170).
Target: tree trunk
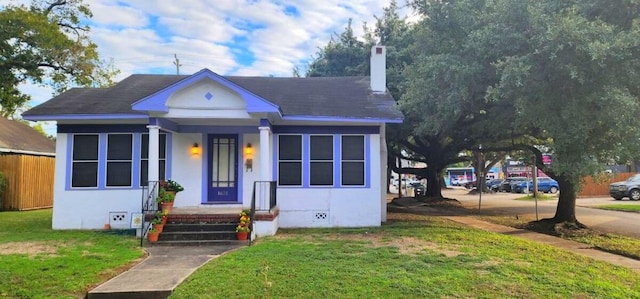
(434,182)
(566,210)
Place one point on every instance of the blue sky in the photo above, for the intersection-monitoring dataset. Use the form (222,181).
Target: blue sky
(229,37)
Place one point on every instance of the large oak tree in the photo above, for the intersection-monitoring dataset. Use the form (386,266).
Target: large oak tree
(46,43)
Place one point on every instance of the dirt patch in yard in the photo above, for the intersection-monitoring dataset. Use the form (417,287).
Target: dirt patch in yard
(28,248)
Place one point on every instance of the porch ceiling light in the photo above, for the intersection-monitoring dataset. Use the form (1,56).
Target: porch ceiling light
(195,149)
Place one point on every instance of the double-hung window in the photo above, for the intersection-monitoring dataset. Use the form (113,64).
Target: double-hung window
(144,158)
(290,160)
(84,168)
(119,160)
(353,160)
(321,160)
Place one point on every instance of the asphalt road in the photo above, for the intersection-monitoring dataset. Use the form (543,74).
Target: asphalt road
(623,223)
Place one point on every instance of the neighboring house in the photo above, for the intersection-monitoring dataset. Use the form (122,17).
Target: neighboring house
(321,140)
(27,161)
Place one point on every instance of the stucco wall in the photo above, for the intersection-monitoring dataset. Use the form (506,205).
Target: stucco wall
(344,207)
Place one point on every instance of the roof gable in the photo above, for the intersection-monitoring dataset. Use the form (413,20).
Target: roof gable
(21,138)
(157,101)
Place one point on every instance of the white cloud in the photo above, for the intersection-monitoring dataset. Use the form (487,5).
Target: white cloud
(142,36)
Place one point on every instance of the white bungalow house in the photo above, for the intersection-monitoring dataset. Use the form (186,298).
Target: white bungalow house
(321,141)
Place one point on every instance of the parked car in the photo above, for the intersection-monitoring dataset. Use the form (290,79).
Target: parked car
(419,189)
(545,184)
(506,184)
(629,188)
(494,185)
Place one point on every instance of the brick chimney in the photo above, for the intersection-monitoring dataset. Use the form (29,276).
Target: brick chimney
(378,69)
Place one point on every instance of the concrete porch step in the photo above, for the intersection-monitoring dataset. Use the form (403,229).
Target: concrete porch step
(192,227)
(198,243)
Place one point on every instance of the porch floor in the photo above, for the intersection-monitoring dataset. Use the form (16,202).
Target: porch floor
(204,210)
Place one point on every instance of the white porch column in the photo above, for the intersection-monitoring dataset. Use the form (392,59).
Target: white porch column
(154,154)
(265,153)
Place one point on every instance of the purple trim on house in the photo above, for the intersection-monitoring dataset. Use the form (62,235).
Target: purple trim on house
(164,123)
(168,156)
(157,101)
(240,170)
(265,122)
(306,155)
(367,161)
(137,153)
(84,116)
(68,167)
(337,160)
(205,168)
(326,129)
(132,128)
(218,129)
(341,119)
(102,161)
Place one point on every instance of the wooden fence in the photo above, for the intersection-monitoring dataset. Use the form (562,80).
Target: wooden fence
(29,182)
(601,187)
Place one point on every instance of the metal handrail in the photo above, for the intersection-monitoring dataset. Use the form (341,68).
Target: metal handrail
(149,204)
(272,202)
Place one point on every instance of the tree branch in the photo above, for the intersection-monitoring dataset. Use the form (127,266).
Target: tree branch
(54,4)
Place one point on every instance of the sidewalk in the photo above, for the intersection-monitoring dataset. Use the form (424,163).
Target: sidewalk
(414,206)
(160,273)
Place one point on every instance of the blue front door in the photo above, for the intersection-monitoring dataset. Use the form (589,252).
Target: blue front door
(223,166)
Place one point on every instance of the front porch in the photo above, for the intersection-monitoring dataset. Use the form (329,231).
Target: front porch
(213,224)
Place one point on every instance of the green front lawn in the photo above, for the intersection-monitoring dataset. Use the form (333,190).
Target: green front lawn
(620,207)
(410,257)
(38,262)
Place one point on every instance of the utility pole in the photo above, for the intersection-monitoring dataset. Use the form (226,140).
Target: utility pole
(177,64)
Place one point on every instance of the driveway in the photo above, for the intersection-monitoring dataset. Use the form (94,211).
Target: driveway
(623,223)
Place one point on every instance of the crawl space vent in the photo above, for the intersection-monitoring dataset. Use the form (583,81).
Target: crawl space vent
(118,220)
(321,216)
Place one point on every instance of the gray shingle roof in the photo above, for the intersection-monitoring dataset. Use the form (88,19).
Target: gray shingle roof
(17,136)
(343,97)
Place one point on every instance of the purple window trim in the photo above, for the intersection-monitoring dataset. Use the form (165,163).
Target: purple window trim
(328,130)
(102,146)
(69,167)
(337,163)
(341,119)
(106,161)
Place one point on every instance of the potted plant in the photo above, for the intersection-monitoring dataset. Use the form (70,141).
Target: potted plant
(171,186)
(157,223)
(242,230)
(153,235)
(165,200)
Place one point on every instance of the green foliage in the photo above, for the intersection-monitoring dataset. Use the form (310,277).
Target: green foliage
(38,262)
(47,43)
(424,258)
(621,207)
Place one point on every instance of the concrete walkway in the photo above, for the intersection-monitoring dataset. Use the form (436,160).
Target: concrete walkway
(160,273)
(166,267)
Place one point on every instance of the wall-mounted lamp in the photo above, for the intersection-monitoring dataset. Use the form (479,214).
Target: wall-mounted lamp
(248,150)
(248,155)
(195,149)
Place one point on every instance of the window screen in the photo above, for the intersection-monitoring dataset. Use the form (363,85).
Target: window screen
(84,168)
(321,161)
(119,160)
(144,158)
(352,160)
(290,160)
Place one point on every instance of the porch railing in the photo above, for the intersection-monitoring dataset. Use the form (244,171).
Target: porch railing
(149,207)
(264,193)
